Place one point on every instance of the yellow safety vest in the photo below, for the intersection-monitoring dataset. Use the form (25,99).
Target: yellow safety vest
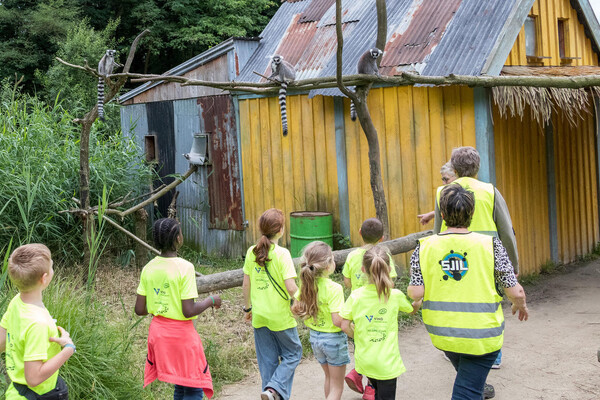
(461,307)
(483,216)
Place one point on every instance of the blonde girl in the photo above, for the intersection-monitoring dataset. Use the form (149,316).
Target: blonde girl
(268,286)
(319,302)
(374,310)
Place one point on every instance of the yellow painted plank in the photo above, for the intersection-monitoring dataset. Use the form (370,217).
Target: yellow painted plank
(295,135)
(587,184)
(594,186)
(308,141)
(452,118)
(265,153)
(256,162)
(287,165)
(423,148)
(319,156)
(392,137)
(438,140)
(408,156)
(277,159)
(354,184)
(467,106)
(246,152)
(331,161)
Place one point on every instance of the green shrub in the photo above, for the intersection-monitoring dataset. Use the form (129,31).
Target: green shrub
(39,169)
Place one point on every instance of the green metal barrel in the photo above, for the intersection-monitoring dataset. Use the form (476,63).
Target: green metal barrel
(308,226)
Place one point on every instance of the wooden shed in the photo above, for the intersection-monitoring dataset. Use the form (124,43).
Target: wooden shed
(547,170)
(539,147)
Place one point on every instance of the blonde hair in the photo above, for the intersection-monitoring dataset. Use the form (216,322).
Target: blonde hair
(316,259)
(27,264)
(376,263)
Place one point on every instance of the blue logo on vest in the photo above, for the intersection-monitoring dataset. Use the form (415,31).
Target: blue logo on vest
(369,318)
(258,269)
(454,265)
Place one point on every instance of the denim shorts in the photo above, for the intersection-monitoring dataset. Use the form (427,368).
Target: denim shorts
(330,347)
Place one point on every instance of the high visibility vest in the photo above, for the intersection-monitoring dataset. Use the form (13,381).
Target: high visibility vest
(461,307)
(483,216)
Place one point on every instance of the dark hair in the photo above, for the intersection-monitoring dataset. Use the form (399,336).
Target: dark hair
(457,205)
(371,230)
(465,161)
(376,263)
(270,223)
(164,233)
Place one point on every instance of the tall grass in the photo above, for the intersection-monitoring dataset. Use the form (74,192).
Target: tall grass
(39,171)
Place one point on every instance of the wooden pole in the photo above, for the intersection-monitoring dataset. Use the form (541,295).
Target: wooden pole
(231,279)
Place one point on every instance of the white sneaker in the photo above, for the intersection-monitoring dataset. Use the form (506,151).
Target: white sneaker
(269,394)
(446,357)
(496,366)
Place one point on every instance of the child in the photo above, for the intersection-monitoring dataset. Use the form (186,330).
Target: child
(28,334)
(167,290)
(268,286)
(374,310)
(371,232)
(319,302)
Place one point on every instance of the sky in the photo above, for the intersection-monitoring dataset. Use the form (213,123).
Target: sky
(596,6)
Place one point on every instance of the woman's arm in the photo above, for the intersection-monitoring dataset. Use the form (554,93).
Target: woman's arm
(336,319)
(516,295)
(2,339)
(140,305)
(246,286)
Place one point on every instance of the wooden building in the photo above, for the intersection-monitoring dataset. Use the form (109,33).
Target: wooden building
(539,147)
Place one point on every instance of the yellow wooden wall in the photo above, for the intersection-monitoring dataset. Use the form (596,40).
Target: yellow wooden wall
(548,13)
(576,186)
(293,173)
(521,178)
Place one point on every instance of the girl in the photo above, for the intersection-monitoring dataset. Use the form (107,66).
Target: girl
(374,310)
(268,286)
(319,302)
(167,290)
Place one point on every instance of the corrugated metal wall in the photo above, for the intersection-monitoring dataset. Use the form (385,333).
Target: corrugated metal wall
(521,177)
(576,186)
(418,128)
(293,173)
(577,45)
(193,201)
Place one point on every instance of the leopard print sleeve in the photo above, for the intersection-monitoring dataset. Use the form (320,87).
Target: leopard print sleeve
(503,269)
(416,276)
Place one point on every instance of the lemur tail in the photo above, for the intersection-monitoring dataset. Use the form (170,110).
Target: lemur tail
(352,111)
(101,98)
(282,106)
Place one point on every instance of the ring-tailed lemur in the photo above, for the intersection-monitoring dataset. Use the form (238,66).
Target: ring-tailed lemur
(105,67)
(284,72)
(367,64)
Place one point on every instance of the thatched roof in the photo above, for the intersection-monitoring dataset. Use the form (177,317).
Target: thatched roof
(543,101)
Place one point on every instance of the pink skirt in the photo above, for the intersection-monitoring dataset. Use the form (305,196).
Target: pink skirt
(176,355)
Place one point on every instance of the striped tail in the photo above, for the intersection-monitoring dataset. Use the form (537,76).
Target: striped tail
(101,98)
(282,106)
(352,111)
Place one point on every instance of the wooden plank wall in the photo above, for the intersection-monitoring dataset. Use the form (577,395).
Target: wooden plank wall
(548,13)
(293,173)
(521,178)
(418,128)
(576,186)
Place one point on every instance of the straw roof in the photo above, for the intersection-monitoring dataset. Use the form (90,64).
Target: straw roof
(543,101)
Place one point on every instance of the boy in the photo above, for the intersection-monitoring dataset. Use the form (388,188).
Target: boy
(371,232)
(28,334)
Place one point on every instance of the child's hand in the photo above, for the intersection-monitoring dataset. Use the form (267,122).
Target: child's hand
(217,301)
(248,316)
(416,305)
(64,338)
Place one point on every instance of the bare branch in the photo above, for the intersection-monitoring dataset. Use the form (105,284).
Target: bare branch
(131,235)
(133,49)
(267,78)
(340,48)
(86,68)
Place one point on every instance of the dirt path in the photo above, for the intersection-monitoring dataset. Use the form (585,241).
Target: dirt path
(552,356)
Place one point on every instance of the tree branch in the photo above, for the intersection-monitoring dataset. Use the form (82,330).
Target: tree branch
(340,48)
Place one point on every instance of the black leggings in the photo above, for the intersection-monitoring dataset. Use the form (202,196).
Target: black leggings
(384,390)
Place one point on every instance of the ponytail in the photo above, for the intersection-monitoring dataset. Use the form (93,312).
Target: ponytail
(376,262)
(307,305)
(270,224)
(317,257)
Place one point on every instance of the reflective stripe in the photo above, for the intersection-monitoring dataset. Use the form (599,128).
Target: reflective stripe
(489,233)
(465,333)
(460,307)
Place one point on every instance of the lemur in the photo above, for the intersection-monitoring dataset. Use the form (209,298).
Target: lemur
(367,64)
(105,67)
(284,72)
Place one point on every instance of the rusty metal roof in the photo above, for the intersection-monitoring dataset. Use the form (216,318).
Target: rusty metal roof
(432,37)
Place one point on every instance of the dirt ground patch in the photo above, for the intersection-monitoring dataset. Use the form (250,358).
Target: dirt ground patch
(551,357)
